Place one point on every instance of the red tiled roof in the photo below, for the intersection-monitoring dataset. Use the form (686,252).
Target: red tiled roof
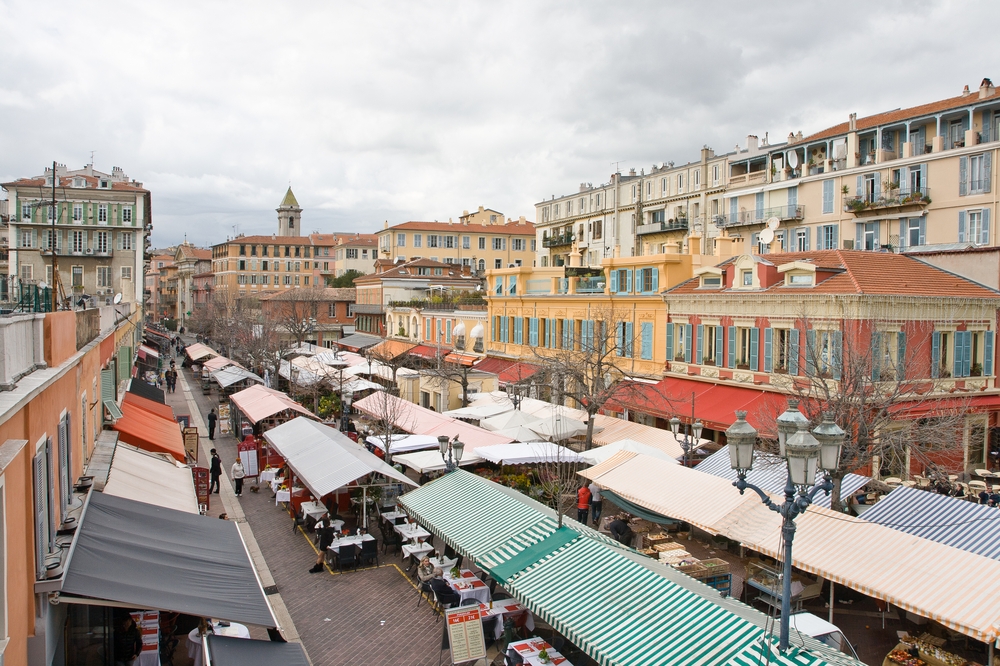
(899,115)
(66,180)
(407,270)
(196,252)
(267,240)
(323,294)
(526,229)
(861,273)
(426,351)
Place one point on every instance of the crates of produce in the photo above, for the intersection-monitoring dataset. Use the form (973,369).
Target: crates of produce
(654,539)
(716,565)
(670,545)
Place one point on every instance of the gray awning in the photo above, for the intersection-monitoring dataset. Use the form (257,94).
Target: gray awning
(358,341)
(146,556)
(324,458)
(233,374)
(227,651)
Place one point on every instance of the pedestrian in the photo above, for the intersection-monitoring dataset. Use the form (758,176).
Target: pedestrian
(223,516)
(216,471)
(620,531)
(582,503)
(127,640)
(325,528)
(238,474)
(595,502)
(212,418)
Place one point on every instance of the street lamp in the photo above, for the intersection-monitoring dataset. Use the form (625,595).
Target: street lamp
(803,452)
(449,447)
(692,431)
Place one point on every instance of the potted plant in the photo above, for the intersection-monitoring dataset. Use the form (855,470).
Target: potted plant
(543,656)
(679,357)
(944,373)
(844,190)
(742,366)
(976,370)
(708,361)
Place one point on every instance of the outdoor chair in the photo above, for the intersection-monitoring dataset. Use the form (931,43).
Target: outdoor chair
(399,521)
(471,601)
(499,596)
(490,629)
(422,589)
(369,552)
(512,658)
(347,555)
(391,539)
(297,521)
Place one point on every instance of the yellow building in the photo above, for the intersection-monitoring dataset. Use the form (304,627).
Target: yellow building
(482,241)
(252,266)
(533,310)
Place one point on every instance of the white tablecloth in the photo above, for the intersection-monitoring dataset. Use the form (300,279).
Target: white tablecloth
(410,532)
(530,648)
(268,475)
(504,608)
(234,630)
(336,524)
(282,496)
(468,586)
(443,563)
(390,516)
(276,484)
(354,539)
(416,550)
(314,510)
(149,658)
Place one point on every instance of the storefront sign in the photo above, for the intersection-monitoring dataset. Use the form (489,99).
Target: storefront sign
(465,634)
(201,485)
(191,444)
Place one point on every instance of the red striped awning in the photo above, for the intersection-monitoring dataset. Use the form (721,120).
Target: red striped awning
(426,351)
(468,360)
(518,373)
(495,365)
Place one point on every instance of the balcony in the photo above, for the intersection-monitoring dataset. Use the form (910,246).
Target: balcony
(679,224)
(365,308)
(591,285)
(752,178)
(783,213)
(558,240)
(894,199)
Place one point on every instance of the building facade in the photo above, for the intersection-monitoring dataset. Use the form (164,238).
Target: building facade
(188,261)
(156,283)
(95,231)
(317,315)
(352,252)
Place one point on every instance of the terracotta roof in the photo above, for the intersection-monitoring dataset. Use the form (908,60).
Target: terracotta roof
(408,270)
(339,238)
(860,272)
(329,294)
(195,252)
(526,229)
(899,115)
(203,275)
(267,240)
(65,181)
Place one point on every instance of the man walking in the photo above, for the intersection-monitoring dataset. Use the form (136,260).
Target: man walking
(582,503)
(216,472)
(238,474)
(595,502)
(212,418)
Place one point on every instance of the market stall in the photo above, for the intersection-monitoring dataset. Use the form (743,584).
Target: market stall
(263,408)
(431,461)
(600,454)
(528,453)
(404,443)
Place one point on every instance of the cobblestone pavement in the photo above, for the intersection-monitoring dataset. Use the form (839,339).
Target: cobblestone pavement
(367,617)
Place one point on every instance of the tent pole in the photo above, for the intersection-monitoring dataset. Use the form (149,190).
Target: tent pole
(989,661)
(364,506)
(832,584)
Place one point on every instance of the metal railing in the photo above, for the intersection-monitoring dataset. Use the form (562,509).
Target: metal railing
(18,296)
(763,215)
(558,239)
(893,198)
(678,224)
(448,304)
(591,285)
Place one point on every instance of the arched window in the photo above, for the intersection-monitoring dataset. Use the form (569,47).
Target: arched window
(291,222)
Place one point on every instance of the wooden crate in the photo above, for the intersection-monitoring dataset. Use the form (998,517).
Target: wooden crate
(654,539)
(671,545)
(695,570)
(716,566)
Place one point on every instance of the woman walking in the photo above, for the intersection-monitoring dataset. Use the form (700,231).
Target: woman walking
(238,474)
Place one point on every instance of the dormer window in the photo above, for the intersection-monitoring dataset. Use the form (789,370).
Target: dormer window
(711,282)
(105,184)
(799,280)
(746,278)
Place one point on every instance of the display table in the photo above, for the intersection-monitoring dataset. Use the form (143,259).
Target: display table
(282,496)
(268,475)
(506,608)
(930,655)
(468,586)
(529,650)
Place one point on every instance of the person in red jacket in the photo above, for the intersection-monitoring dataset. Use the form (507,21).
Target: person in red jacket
(582,503)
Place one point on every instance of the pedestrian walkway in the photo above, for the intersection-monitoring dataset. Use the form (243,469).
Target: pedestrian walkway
(365,617)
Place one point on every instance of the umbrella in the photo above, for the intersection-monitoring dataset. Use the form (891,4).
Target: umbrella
(561,427)
(519,434)
(602,453)
(510,420)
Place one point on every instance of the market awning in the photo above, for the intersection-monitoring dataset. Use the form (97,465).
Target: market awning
(517,373)
(902,569)
(467,360)
(325,458)
(229,651)
(945,406)
(948,520)
(150,478)
(146,556)
(160,409)
(480,410)
(358,341)
(404,443)
(149,351)
(613,430)
(495,365)
(259,402)
(770,473)
(198,351)
(527,453)
(145,390)
(427,352)
(390,349)
(431,461)
(601,453)
(218,363)
(234,375)
(150,431)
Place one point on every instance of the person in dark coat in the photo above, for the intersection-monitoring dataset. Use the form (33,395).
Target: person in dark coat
(215,471)
(212,418)
(127,640)
(620,531)
(445,595)
(325,528)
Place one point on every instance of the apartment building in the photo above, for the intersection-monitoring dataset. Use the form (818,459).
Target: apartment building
(156,283)
(318,315)
(188,262)
(352,252)
(96,229)
(481,241)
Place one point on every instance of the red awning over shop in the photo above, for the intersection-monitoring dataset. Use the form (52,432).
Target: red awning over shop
(150,431)
(426,351)
(945,406)
(517,373)
(158,408)
(468,360)
(495,365)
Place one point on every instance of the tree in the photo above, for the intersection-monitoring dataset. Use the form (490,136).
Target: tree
(296,310)
(447,372)
(394,362)
(389,414)
(345,280)
(870,372)
(558,478)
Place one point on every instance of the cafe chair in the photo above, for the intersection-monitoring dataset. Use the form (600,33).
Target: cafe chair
(391,540)
(399,521)
(298,520)
(490,629)
(424,589)
(369,552)
(512,658)
(347,555)
(471,601)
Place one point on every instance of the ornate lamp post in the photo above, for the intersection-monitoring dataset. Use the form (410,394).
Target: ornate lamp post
(451,447)
(693,428)
(803,452)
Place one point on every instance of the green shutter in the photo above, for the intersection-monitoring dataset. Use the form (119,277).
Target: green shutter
(754,344)
(687,343)
(670,343)
(988,354)
(793,352)
(700,349)
(900,355)
(876,353)
(768,341)
(732,347)
(124,363)
(935,354)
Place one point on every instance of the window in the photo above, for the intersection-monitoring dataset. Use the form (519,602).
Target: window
(783,348)
(126,272)
(243,250)
(827,237)
(52,212)
(102,213)
(333,310)
(352,253)
(532,244)
(680,344)
(482,265)
(911,232)
(418,240)
(709,348)
(288,251)
(747,278)
(298,280)
(433,241)
(26,272)
(978,229)
(26,235)
(126,237)
(77,212)
(975,174)
(449,242)
(715,174)
(746,352)
(697,178)
(78,276)
(241,265)
(827,196)
(102,242)
(800,280)
(466,242)
(680,182)
(517,244)
(78,241)
(298,251)
(867,236)
(482,242)
(500,244)
(498,263)
(298,266)
(26,211)
(801,240)
(51,240)
(103,276)
(711,281)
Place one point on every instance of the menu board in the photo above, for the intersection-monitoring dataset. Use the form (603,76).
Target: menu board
(248,455)
(191,444)
(201,485)
(465,633)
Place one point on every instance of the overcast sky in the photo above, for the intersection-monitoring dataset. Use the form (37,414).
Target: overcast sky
(400,111)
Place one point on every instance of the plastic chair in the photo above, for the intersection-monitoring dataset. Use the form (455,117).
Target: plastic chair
(471,601)
(390,538)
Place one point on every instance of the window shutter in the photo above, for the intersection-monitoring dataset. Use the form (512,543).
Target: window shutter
(628,284)
(810,352)
(41,494)
(984,237)
(827,196)
(793,352)
(935,354)
(904,182)
(700,349)
(836,236)
(861,186)
(967,349)
(923,177)
(614,281)
(876,352)
(498,288)
(670,342)
(533,331)
(620,339)
(754,345)
(629,340)
(687,346)
(958,355)
(904,224)
(647,341)
(807,240)
(731,332)
(519,330)
(963,176)
(986,126)
(718,345)
(64,463)
(900,356)
(923,231)
(921,140)
(768,340)
(878,185)
(554,337)
(859,240)
(878,234)
(656,279)
(961,226)
(512,285)
(988,354)
(837,354)
(987,171)
(793,197)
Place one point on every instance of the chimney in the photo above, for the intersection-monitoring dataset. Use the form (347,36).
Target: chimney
(986,89)
(791,137)
(465,213)
(481,209)
(965,91)
(752,142)
(852,122)
(631,172)
(798,135)
(521,220)
(385,225)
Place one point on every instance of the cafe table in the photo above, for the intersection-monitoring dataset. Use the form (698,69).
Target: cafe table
(416,550)
(282,496)
(411,531)
(352,539)
(268,475)
(529,650)
(391,516)
(314,510)
(506,608)
(443,563)
(468,586)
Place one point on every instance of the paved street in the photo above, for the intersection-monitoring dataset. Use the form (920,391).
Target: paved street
(369,617)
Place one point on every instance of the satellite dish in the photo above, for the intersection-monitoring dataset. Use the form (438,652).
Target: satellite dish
(793,159)
(767,236)
(118,298)
(772,223)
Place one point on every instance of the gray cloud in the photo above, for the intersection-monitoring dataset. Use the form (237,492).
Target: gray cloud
(418,110)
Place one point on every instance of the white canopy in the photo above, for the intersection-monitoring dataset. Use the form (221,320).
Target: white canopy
(431,461)
(150,478)
(519,434)
(325,459)
(459,329)
(404,443)
(518,453)
(481,410)
(512,419)
(559,428)
(233,375)
(600,454)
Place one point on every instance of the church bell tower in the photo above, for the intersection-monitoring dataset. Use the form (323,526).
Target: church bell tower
(289,216)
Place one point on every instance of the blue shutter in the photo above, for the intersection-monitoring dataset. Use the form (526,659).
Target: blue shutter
(687,346)
(961,226)
(620,339)
(670,342)
(517,331)
(647,341)
(810,353)
(876,353)
(768,341)
(827,196)
(984,237)
(759,206)
(878,186)
(498,286)
(505,329)
(988,354)
(904,224)
(923,177)
(793,352)
(861,186)
(923,231)
(512,285)
(807,239)
(958,355)
(718,345)
(533,331)
(967,352)
(700,349)
(935,354)
(793,197)
(734,210)
(837,354)
(859,241)
(732,347)
(986,127)
(656,279)
(629,339)
(921,140)
(963,176)
(754,345)
(987,171)
(614,281)
(900,356)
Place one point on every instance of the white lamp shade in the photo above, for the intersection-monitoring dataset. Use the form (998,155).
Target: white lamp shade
(802,454)
(788,424)
(802,470)
(696,429)
(675,425)
(831,441)
(443,443)
(741,437)
(457,448)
